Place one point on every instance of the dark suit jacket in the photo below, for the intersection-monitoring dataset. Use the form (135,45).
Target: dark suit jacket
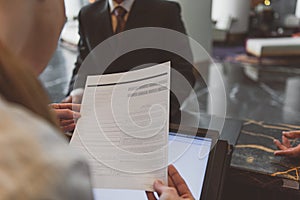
(95,27)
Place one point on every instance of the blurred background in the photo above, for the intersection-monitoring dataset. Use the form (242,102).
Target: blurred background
(259,88)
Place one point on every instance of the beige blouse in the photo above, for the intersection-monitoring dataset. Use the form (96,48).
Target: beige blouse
(36,162)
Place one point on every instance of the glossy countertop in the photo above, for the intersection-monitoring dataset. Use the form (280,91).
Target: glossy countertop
(262,93)
(273,97)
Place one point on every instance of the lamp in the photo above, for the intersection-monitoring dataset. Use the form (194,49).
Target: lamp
(234,13)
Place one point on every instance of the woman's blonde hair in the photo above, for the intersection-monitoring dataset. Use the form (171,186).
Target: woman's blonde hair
(18,84)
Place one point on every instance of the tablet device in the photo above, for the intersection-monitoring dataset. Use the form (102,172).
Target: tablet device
(189,152)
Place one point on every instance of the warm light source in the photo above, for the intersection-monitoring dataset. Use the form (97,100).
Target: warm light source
(92,1)
(267,2)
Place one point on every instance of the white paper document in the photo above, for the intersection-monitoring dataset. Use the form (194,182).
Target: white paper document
(124,126)
(190,157)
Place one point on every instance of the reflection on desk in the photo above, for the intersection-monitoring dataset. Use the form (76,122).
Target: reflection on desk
(262,100)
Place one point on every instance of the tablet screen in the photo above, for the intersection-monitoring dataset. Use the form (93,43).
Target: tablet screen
(190,157)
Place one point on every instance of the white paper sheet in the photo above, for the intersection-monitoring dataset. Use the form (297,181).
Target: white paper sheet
(188,155)
(123,130)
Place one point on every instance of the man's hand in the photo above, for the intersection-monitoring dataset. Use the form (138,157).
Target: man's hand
(67,114)
(285,146)
(72,99)
(75,96)
(177,189)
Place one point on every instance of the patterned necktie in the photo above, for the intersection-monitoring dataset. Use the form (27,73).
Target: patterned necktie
(120,13)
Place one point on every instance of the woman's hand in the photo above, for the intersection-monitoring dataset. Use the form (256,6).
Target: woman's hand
(285,148)
(67,114)
(177,189)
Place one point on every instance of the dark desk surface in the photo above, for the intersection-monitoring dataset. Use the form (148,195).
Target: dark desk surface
(265,99)
(273,98)
(246,99)
(268,99)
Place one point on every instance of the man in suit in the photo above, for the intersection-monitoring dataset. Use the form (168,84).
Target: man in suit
(104,18)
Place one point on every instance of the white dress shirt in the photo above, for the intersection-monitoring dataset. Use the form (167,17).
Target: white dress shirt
(126,4)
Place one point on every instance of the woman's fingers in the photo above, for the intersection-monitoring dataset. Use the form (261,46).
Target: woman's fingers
(292,134)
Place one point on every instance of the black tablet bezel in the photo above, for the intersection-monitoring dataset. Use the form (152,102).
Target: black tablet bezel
(218,161)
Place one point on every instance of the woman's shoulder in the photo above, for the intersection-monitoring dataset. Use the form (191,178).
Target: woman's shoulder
(35,155)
